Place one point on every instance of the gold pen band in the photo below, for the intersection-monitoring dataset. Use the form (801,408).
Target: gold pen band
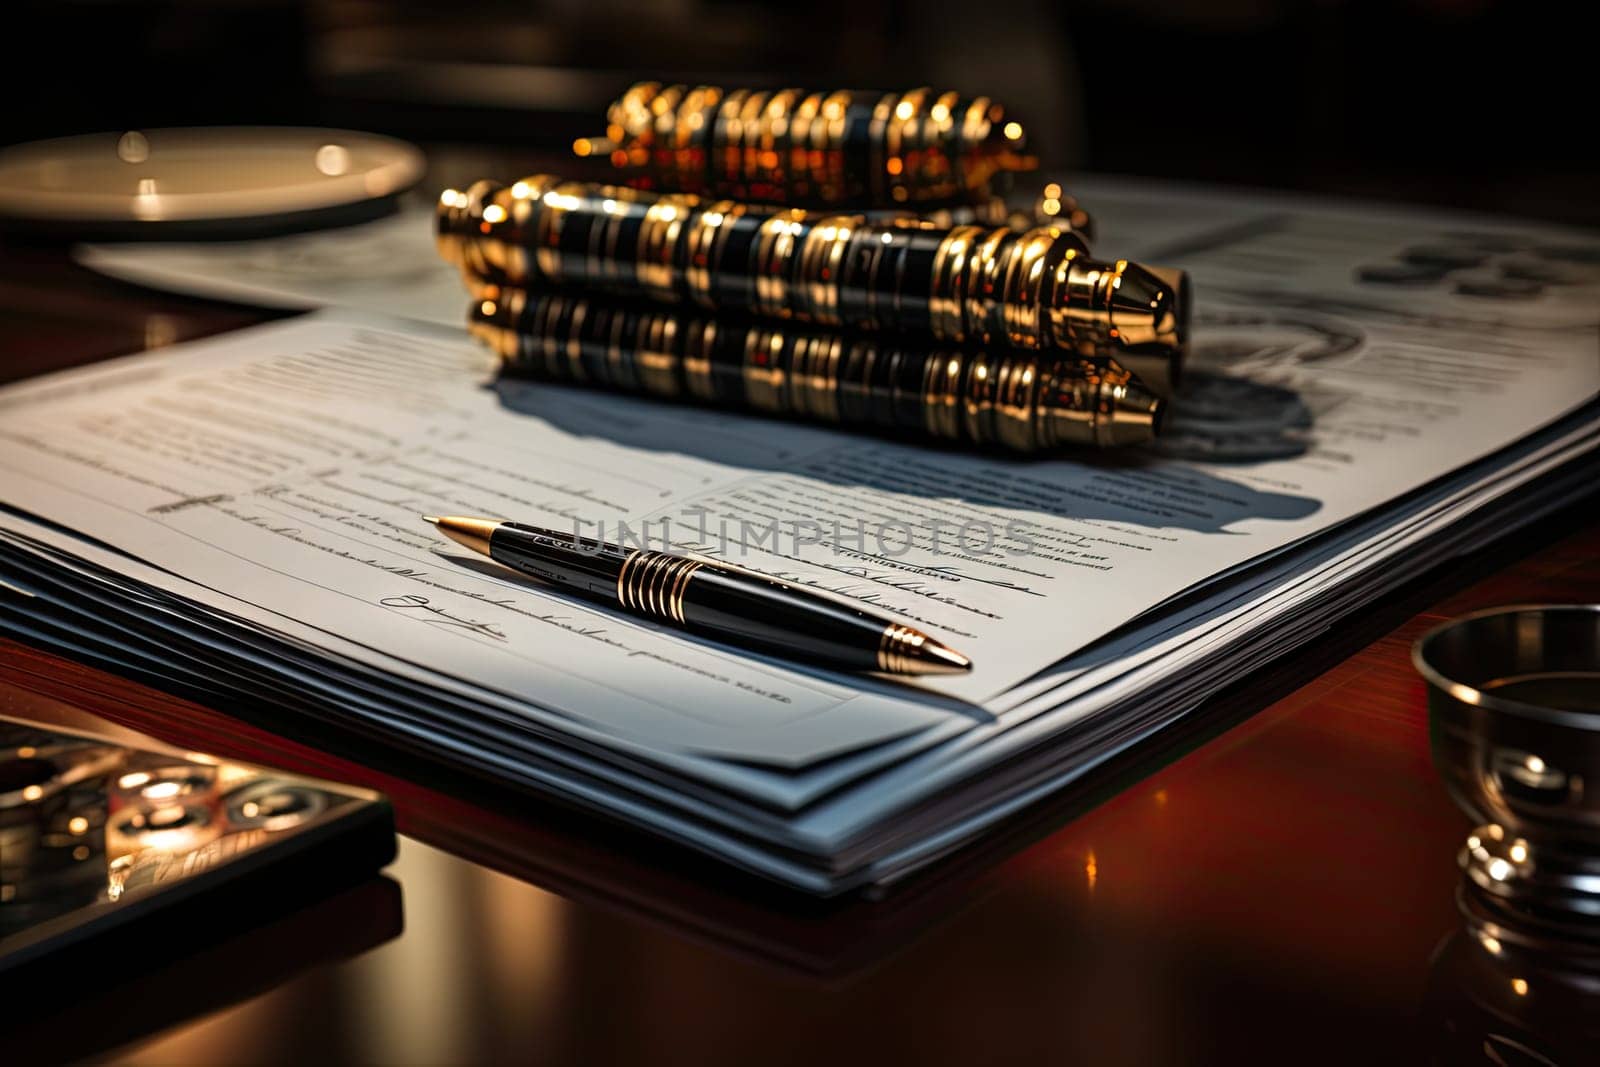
(654,583)
(901,649)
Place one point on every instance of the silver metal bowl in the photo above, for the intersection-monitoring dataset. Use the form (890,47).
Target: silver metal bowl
(1514,720)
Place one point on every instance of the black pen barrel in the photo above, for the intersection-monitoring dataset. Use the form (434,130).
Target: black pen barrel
(563,559)
(706,598)
(744,608)
(713,600)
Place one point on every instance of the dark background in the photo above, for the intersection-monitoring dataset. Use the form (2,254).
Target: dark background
(1470,103)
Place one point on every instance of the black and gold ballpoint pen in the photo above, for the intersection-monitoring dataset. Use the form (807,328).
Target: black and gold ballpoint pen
(712,599)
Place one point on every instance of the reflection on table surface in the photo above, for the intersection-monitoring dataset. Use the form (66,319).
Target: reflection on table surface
(1276,894)
(215,968)
(84,822)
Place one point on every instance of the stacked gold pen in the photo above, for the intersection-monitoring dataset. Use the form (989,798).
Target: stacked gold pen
(763,255)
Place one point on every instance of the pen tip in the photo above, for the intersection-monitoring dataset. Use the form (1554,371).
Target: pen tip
(942,659)
(431,518)
(473,533)
(907,651)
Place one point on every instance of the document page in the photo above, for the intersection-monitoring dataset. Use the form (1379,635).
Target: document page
(288,467)
(292,461)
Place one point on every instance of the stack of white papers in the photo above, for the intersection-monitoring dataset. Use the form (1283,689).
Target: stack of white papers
(238,519)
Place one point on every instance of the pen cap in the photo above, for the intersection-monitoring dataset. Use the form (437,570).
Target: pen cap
(1138,312)
(1095,403)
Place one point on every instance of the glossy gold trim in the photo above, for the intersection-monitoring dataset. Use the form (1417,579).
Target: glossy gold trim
(681,586)
(1026,324)
(825,380)
(775,245)
(549,339)
(653,583)
(656,361)
(624,589)
(821,253)
(978,398)
(658,237)
(1015,403)
(704,229)
(656,572)
(748,135)
(697,349)
(613,357)
(548,219)
(661,568)
(904,650)
(763,372)
(983,308)
(574,346)
(948,296)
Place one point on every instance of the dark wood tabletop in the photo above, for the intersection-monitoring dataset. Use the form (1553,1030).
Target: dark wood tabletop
(1272,882)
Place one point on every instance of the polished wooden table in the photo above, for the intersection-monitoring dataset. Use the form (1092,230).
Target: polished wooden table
(1268,883)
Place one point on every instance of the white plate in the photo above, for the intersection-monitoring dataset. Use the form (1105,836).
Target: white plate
(150,180)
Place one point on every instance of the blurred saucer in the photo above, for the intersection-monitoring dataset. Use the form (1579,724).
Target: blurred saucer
(223,182)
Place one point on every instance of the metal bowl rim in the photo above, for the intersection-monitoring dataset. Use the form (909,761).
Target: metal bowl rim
(1463,693)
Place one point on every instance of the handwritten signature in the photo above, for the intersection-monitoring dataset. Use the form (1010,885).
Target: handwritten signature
(413,602)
